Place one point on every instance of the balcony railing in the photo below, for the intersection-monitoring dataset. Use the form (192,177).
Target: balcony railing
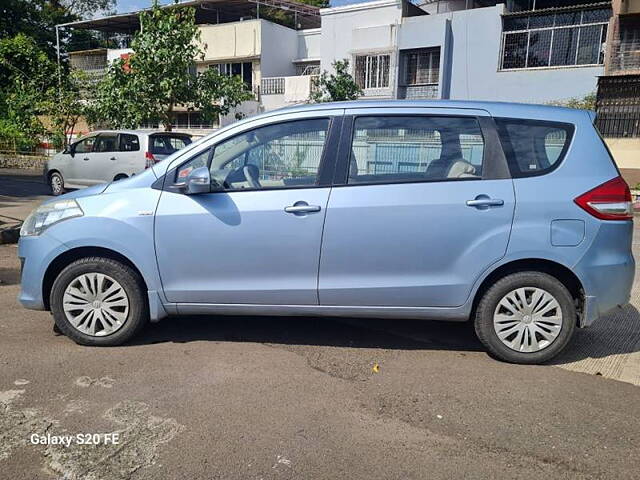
(625,58)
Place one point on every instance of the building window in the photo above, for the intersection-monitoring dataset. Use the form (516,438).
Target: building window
(421,67)
(554,39)
(420,73)
(625,50)
(243,70)
(372,71)
(192,120)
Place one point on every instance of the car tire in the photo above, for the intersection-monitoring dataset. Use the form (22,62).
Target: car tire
(526,317)
(99,301)
(56,183)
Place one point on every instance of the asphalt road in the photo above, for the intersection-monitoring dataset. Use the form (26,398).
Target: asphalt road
(299,398)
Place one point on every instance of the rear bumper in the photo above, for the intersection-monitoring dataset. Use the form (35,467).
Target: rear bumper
(606,271)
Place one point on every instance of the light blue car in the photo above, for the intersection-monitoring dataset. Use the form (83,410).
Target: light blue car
(513,216)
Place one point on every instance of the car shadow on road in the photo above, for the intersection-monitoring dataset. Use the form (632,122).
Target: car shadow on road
(615,334)
(316,331)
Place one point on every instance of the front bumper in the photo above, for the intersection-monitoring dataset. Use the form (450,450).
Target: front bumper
(36,254)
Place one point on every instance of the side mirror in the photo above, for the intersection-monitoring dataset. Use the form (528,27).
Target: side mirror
(198,181)
(71,150)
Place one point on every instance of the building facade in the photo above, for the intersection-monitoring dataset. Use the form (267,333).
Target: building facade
(454,50)
(618,100)
(535,51)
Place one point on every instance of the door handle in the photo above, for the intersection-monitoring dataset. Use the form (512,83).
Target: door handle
(86,159)
(112,158)
(300,207)
(484,201)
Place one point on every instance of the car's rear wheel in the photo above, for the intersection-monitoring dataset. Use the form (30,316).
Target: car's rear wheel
(99,301)
(56,183)
(526,317)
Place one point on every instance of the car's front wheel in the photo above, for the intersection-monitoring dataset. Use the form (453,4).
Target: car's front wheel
(99,301)
(526,317)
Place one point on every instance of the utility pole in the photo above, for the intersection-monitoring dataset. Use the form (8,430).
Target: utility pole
(58,55)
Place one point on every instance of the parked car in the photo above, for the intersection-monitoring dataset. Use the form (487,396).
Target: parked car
(512,216)
(105,156)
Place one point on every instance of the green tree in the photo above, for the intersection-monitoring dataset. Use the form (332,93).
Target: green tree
(26,73)
(65,105)
(37,19)
(159,76)
(587,102)
(334,87)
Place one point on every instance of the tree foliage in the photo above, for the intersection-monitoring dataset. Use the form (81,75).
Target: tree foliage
(26,73)
(587,102)
(37,19)
(159,76)
(334,87)
(31,89)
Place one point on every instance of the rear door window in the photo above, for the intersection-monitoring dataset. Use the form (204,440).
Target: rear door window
(167,144)
(129,142)
(390,149)
(533,147)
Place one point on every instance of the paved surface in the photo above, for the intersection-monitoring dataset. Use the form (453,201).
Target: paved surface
(20,191)
(246,397)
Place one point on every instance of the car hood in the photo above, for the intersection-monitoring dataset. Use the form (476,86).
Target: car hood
(84,192)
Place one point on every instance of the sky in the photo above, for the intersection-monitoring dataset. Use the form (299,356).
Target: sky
(133,5)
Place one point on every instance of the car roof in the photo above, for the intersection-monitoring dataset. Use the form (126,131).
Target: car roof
(137,132)
(496,109)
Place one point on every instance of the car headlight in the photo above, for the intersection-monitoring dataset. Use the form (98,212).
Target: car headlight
(46,215)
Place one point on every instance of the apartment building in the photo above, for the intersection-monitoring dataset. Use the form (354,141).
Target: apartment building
(618,100)
(536,51)
(274,54)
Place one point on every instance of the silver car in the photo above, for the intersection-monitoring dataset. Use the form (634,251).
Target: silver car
(105,156)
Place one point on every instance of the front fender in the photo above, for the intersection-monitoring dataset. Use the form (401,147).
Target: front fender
(122,222)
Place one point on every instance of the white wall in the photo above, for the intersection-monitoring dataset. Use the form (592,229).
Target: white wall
(232,40)
(339,23)
(280,49)
(475,59)
(309,43)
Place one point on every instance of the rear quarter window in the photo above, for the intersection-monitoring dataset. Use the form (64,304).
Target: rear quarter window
(533,147)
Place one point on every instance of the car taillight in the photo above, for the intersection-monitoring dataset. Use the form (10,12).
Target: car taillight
(609,201)
(149,160)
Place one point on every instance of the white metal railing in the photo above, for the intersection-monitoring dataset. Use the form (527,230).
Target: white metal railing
(272,86)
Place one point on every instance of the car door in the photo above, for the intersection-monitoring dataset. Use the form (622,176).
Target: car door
(257,241)
(103,164)
(80,165)
(423,204)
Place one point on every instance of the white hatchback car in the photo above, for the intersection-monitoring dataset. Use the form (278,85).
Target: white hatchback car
(105,156)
